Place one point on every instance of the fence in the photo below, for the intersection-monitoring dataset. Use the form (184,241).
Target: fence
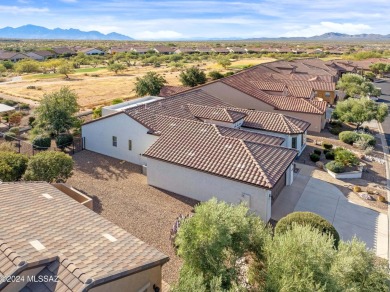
(27,148)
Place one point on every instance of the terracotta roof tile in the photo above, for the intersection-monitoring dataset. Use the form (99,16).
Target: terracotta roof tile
(215,113)
(167,91)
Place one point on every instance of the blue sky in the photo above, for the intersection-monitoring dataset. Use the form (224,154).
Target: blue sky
(152,19)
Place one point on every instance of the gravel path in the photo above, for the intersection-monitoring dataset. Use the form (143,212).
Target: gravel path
(121,194)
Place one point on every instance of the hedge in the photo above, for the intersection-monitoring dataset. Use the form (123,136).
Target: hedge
(12,166)
(314,157)
(40,142)
(64,140)
(349,137)
(327,146)
(335,166)
(317,151)
(329,155)
(307,219)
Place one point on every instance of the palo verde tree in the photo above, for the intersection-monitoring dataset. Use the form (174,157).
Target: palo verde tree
(66,68)
(360,110)
(355,85)
(116,67)
(55,113)
(380,68)
(150,84)
(192,77)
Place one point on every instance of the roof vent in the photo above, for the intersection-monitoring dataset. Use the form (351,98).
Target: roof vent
(37,245)
(109,237)
(47,196)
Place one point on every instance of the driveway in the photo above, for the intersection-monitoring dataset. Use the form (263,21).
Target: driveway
(328,201)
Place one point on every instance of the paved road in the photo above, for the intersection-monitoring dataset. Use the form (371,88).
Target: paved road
(385,97)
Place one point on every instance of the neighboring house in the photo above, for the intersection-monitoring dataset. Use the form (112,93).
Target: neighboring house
(237,50)
(114,50)
(220,50)
(168,90)
(40,55)
(35,56)
(185,51)
(254,50)
(202,161)
(64,52)
(50,242)
(92,51)
(141,50)
(205,50)
(164,50)
(12,56)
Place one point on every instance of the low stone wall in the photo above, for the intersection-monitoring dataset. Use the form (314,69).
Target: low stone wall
(345,175)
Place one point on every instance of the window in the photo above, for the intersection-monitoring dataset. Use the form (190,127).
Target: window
(114,141)
(294,142)
(130,145)
(327,94)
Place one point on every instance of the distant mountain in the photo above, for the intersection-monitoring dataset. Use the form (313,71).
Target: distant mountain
(330,36)
(39,32)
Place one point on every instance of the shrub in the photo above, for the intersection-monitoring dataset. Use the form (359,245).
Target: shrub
(116,101)
(317,151)
(31,120)
(346,157)
(369,150)
(336,123)
(12,166)
(49,166)
(327,146)
(14,130)
(307,219)
(9,136)
(326,151)
(214,75)
(348,137)
(64,140)
(335,166)
(41,142)
(370,139)
(7,147)
(24,106)
(314,157)
(381,199)
(361,144)
(357,189)
(9,102)
(335,130)
(31,87)
(329,155)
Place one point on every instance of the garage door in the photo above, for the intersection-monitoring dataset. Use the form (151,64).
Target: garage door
(278,188)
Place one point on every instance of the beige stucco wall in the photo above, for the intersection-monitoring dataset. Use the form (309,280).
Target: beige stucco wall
(240,99)
(133,283)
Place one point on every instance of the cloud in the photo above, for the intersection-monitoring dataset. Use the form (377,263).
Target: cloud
(22,10)
(69,1)
(158,35)
(326,26)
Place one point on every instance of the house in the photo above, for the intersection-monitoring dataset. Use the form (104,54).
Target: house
(50,242)
(220,50)
(171,90)
(202,161)
(141,50)
(205,50)
(92,51)
(114,50)
(12,56)
(164,50)
(40,55)
(185,51)
(63,52)
(237,50)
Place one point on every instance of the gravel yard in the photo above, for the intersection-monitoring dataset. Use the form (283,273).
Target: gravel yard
(121,194)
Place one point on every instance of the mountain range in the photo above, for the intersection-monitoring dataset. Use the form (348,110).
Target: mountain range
(333,36)
(38,32)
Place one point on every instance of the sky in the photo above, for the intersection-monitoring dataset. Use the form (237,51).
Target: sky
(164,20)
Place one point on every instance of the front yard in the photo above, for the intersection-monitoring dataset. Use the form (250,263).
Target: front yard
(121,194)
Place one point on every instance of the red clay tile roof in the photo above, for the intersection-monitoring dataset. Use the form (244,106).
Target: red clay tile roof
(215,113)
(71,234)
(201,147)
(269,85)
(273,122)
(172,90)
(299,91)
(250,136)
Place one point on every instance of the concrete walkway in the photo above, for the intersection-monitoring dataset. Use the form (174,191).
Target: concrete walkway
(320,197)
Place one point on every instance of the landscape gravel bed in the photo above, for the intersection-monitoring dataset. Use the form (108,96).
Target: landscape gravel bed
(121,194)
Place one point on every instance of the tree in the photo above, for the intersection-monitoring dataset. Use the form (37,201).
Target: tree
(192,76)
(355,85)
(49,166)
(150,84)
(27,66)
(224,62)
(66,68)
(211,241)
(12,165)
(116,67)
(2,68)
(53,64)
(214,75)
(380,68)
(359,111)
(15,118)
(56,110)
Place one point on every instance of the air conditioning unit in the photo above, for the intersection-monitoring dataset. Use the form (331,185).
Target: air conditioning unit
(144,169)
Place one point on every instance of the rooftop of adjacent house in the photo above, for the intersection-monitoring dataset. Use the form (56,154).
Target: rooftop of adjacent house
(300,91)
(218,151)
(215,113)
(42,227)
(5,108)
(9,55)
(171,90)
(142,101)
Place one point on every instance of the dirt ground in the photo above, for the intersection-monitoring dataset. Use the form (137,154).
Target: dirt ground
(101,87)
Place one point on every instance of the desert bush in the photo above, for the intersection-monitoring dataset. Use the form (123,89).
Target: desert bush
(317,151)
(12,166)
(327,146)
(361,143)
(314,157)
(307,219)
(9,136)
(14,130)
(335,130)
(346,157)
(357,189)
(335,166)
(9,102)
(370,139)
(24,106)
(31,120)
(329,155)
(7,147)
(320,164)
(369,150)
(381,199)
(64,140)
(41,141)
(348,137)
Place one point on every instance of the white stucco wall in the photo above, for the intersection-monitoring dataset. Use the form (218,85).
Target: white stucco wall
(98,138)
(203,186)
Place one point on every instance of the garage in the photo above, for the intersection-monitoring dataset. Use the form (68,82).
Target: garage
(278,188)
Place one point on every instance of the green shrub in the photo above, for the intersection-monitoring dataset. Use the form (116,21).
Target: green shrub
(31,120)
(12,166)
(317,151)
(335,130)
(314,157)
(346,157)
(9,136)
(10,102)
(24,106)
(336,123)
(330,155)
(348,137)
(369,138)
(307,219)
(327,145)
(64,140)
(335,166)
(116,101)
(214,75)
(14,130)
(41,142)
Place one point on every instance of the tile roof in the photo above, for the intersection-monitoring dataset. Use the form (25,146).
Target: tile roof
(74,245)
(215,113)
(273,122)
(270,85)
(299,91)
(171,90)
(64,51)
(11,55)
(201,146)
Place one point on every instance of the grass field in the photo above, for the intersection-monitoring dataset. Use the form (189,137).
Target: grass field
(103,86)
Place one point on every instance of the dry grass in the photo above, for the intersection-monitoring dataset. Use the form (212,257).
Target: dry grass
(101,87)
